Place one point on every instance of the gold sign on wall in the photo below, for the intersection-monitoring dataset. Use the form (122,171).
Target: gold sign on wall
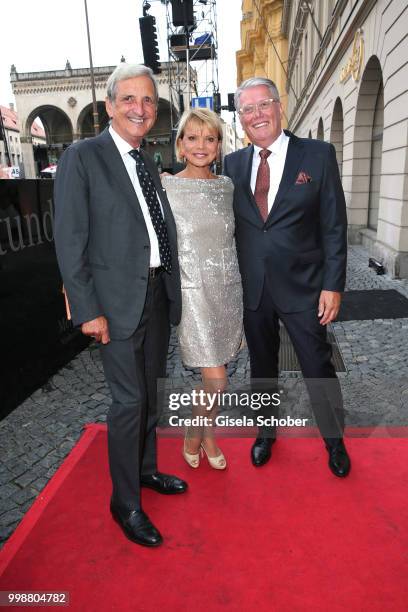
(355,61)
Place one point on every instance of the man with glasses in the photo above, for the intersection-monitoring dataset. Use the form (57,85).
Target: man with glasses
(116,246)
(291,227)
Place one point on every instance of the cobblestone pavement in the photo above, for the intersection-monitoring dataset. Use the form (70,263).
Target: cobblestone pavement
(36,437)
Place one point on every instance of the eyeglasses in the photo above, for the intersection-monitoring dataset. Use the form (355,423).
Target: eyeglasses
(263,105)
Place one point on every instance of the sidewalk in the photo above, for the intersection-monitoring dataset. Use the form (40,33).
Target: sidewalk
(37,436)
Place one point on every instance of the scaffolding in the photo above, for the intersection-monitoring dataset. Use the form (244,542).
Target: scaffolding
(193,61)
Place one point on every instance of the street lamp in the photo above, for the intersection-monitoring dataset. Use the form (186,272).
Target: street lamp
(94,105)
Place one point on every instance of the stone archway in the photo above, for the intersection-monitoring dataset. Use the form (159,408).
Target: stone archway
(58,132)
(57,124)
(85,127)
(376,158)
(367,155)
(336,133)
(320,130)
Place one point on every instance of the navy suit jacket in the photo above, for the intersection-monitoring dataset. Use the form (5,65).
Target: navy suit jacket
(302,247)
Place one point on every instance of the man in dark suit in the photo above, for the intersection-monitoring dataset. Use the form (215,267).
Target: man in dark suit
(291,239)
(116,246)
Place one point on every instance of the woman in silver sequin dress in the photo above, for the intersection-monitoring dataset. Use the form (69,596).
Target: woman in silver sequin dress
(210,331)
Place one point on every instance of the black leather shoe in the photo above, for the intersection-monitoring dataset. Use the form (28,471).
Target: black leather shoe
(261,451)
(164,483)
(137,527)
(339,461)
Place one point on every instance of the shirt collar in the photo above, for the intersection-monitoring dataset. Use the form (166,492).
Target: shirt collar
(275,147)
(123,146)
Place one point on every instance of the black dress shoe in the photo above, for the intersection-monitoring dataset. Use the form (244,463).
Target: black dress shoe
(261,451)
(339,461)
(137,527)
(164,483)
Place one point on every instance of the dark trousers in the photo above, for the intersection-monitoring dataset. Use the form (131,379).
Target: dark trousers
(313,351)
(132,367)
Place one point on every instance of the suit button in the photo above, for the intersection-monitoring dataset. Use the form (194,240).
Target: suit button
(146,246)
(265,231)
(143,277)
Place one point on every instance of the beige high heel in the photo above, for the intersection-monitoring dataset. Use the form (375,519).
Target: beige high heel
(192,460)
(218,463)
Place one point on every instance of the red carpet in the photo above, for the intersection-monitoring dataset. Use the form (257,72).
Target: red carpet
(286,537)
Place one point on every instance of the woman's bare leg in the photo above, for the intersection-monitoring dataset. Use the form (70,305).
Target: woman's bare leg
(214,382)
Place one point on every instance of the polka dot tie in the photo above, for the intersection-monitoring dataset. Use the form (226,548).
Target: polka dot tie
(152,201)
(262,184)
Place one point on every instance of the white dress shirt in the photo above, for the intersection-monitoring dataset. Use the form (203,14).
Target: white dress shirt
(276,161)
(130,165)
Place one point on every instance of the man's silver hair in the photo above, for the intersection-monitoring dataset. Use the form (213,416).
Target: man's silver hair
(128,71)
(253,82)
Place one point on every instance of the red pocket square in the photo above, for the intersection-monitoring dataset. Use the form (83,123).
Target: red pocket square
(303,177)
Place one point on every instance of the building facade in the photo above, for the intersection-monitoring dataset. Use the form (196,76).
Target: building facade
(12,135)
(62,99)
(346,84)
(230,140)
(264,51)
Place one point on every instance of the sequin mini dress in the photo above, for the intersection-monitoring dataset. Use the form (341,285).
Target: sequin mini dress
(210,331)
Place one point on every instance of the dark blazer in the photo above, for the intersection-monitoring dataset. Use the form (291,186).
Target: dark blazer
(101,238)
(302,247)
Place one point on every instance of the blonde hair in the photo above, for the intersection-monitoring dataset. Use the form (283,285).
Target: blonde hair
(201,117)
